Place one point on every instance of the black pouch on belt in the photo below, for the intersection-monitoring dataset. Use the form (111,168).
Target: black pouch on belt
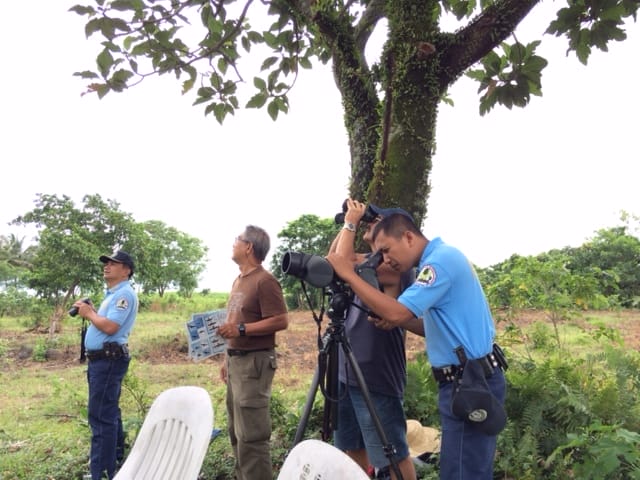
(474,402)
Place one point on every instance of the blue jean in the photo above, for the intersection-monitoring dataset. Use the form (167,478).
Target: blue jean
(107,436)
(357,430)
(466,453)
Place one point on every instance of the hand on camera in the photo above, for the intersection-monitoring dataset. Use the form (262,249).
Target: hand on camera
(355,211)
(83,307)
(381,323)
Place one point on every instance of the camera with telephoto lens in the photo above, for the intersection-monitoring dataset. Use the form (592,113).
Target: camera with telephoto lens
(318,272)
(368,216)
(73,311)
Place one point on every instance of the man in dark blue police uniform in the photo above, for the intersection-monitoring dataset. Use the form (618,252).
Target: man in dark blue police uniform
(108,355)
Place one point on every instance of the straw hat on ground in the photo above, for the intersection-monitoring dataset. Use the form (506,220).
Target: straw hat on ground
(422,439)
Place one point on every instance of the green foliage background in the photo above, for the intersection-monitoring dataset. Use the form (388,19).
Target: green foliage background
(573,387)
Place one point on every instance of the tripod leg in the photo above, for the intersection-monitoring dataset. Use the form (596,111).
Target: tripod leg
(389,450)
(331,394)
(308,406)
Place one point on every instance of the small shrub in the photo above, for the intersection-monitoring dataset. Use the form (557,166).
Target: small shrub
(600,452)
(40,350)
(421,393)
(541,336)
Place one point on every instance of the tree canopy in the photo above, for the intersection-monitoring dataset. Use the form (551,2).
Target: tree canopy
(390,105)
(308,234)
(64,261)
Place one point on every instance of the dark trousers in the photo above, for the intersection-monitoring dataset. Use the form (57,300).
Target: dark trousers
(107,436)
(465,452)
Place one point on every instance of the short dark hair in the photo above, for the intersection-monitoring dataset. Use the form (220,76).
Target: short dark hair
(260,241)
(395,225)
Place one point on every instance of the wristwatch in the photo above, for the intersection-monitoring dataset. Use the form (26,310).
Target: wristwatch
(349,226)
(242,329)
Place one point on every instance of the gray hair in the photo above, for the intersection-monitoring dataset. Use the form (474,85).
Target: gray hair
(259,239)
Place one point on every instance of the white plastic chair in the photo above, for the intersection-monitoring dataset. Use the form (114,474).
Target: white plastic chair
(313,459)
(174,437)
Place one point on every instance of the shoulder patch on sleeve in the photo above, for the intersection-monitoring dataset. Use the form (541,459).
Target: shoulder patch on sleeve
(427,276)
(122,304)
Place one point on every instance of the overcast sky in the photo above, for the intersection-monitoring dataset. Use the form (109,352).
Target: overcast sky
(521,181)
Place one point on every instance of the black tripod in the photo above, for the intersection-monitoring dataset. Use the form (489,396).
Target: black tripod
(326,377)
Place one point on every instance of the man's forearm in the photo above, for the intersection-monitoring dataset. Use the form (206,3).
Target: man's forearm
(383,305)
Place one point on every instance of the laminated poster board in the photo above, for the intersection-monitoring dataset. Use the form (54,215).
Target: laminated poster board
(202,334)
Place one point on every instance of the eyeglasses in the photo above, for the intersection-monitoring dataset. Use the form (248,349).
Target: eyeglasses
(240,239)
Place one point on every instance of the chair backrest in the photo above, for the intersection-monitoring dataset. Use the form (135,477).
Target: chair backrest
(315,460)
(174,437)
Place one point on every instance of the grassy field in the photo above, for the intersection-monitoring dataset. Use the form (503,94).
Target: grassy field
(44,433)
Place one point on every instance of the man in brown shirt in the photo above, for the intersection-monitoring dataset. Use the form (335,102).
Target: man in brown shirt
(255,312)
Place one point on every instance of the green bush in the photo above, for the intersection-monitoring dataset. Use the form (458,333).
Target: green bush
(14,302)
(421,393)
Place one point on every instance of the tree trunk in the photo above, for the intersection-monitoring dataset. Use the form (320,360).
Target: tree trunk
(411,65)
(55,322)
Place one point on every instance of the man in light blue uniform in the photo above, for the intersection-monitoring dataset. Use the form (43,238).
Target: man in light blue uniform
(108,355)
(448,306)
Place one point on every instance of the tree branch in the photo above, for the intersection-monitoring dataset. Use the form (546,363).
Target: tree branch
(370,18)
(480,36)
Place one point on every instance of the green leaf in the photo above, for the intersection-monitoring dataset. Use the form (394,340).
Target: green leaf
(101,90)
(223,65)
(122,5)
(83,10)
(271,40)
(119,79)
(268,62)
(273,110)
(478,75)
(260,84)
(255,37)
(257,101)
(492,64)
(188,85)
(304,62)
(107,27)
(105,61)
(246,44)
(86,74)
(219,112)
(583,51)
(215,80)
(517,54)
(206,92)
(614,13)
(128,41)
(142,48)
(92,27)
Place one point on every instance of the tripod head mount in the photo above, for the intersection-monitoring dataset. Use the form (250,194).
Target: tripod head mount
(339,303)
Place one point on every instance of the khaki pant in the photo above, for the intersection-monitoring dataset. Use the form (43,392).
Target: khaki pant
(248,394)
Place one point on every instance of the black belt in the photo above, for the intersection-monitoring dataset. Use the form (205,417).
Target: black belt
(233,352)
(489,363)
(110,351)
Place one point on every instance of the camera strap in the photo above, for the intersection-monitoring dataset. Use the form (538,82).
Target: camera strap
(83,334)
